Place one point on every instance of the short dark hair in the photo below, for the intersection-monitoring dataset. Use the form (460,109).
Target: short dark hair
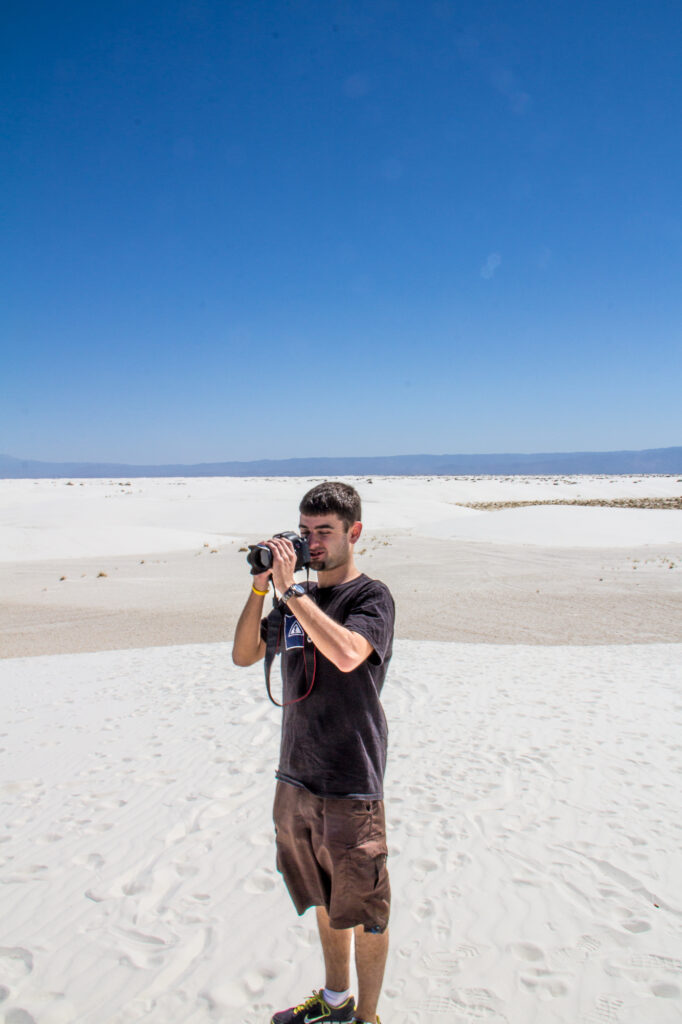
(333,496)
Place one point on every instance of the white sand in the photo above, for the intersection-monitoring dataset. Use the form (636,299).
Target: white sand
(50,519)
(532,793)
(114,564)
(533,806)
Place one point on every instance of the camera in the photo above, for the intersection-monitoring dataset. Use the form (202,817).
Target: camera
(260,556)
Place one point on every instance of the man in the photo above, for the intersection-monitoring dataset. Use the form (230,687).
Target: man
(329,815)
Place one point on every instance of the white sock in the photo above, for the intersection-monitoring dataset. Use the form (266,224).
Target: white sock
(334,998)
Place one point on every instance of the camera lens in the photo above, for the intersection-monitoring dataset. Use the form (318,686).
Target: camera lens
(259,558)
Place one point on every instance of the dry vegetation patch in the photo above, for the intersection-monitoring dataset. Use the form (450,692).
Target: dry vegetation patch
(669,503)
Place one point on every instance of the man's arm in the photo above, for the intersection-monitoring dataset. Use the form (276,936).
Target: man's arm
(248,646)
(341,646)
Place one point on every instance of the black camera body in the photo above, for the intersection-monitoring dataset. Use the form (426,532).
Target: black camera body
(260,556)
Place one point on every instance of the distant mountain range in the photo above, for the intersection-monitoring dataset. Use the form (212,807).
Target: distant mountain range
(653,460)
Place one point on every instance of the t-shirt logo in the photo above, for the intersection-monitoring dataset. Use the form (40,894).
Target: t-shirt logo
(293,632)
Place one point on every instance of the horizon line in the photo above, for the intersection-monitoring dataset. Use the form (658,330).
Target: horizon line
(334,458)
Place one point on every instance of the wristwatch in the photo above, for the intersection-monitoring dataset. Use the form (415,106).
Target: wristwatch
(295,590)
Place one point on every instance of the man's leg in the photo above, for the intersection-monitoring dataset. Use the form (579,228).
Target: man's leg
(371,951)
(336,950)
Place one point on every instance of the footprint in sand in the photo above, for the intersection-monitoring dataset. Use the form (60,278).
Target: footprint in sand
(435,1004)
(440,964)
(458,862)
(96,897)
(226,995)
(422,866)
(303,936)
(546,983)
(526,951)
(664,990)
(636,926)
(141,951)
(665,963)
(89,860)
(186,870)
(19,1016)
(564,956)
(255,981)
(651,970)
(606,1011)
(396,990)
(406,951)
(466,952)
(262,839)
(477,1004)
(262,880)
(15,963)
(424,909)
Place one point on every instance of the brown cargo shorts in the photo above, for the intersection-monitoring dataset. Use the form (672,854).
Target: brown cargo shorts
(332,853)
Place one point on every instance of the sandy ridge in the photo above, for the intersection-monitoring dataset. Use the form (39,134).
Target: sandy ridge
(669,503)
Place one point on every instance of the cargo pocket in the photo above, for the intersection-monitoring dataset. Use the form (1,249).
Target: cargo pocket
(352,823)
(362,893)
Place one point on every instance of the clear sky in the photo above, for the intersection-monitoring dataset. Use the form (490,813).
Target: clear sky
(238,229)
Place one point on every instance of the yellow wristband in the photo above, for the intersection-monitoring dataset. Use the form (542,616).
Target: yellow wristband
(261,593)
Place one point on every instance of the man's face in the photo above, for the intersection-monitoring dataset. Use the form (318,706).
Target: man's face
(331,545)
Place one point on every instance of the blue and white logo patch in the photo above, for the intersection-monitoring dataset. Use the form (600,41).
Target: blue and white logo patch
(293,632)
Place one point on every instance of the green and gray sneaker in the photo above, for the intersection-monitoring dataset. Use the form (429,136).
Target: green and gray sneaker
(316,1011)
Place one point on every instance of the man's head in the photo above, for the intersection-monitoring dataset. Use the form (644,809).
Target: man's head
(330,519)
(333,497)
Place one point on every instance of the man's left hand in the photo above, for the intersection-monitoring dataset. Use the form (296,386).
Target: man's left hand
(283,562)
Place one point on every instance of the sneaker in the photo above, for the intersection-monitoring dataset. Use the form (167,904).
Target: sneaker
(316,1011)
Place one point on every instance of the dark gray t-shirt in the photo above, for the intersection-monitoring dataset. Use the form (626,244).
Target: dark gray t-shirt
(334,742)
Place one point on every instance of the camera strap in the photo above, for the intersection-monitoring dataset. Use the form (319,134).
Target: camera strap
(273,642)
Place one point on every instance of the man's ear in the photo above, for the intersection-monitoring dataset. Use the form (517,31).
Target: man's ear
(354,532)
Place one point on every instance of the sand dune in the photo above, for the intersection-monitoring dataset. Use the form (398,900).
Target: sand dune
(535,756)
(533,808)
(48,519)
(114,564)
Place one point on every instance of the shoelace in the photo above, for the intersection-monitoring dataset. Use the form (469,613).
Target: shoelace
(316,997)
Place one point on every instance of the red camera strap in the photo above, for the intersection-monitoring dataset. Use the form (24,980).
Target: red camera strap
(275,623)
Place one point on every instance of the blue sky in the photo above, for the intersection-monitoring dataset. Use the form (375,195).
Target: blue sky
(237,230)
